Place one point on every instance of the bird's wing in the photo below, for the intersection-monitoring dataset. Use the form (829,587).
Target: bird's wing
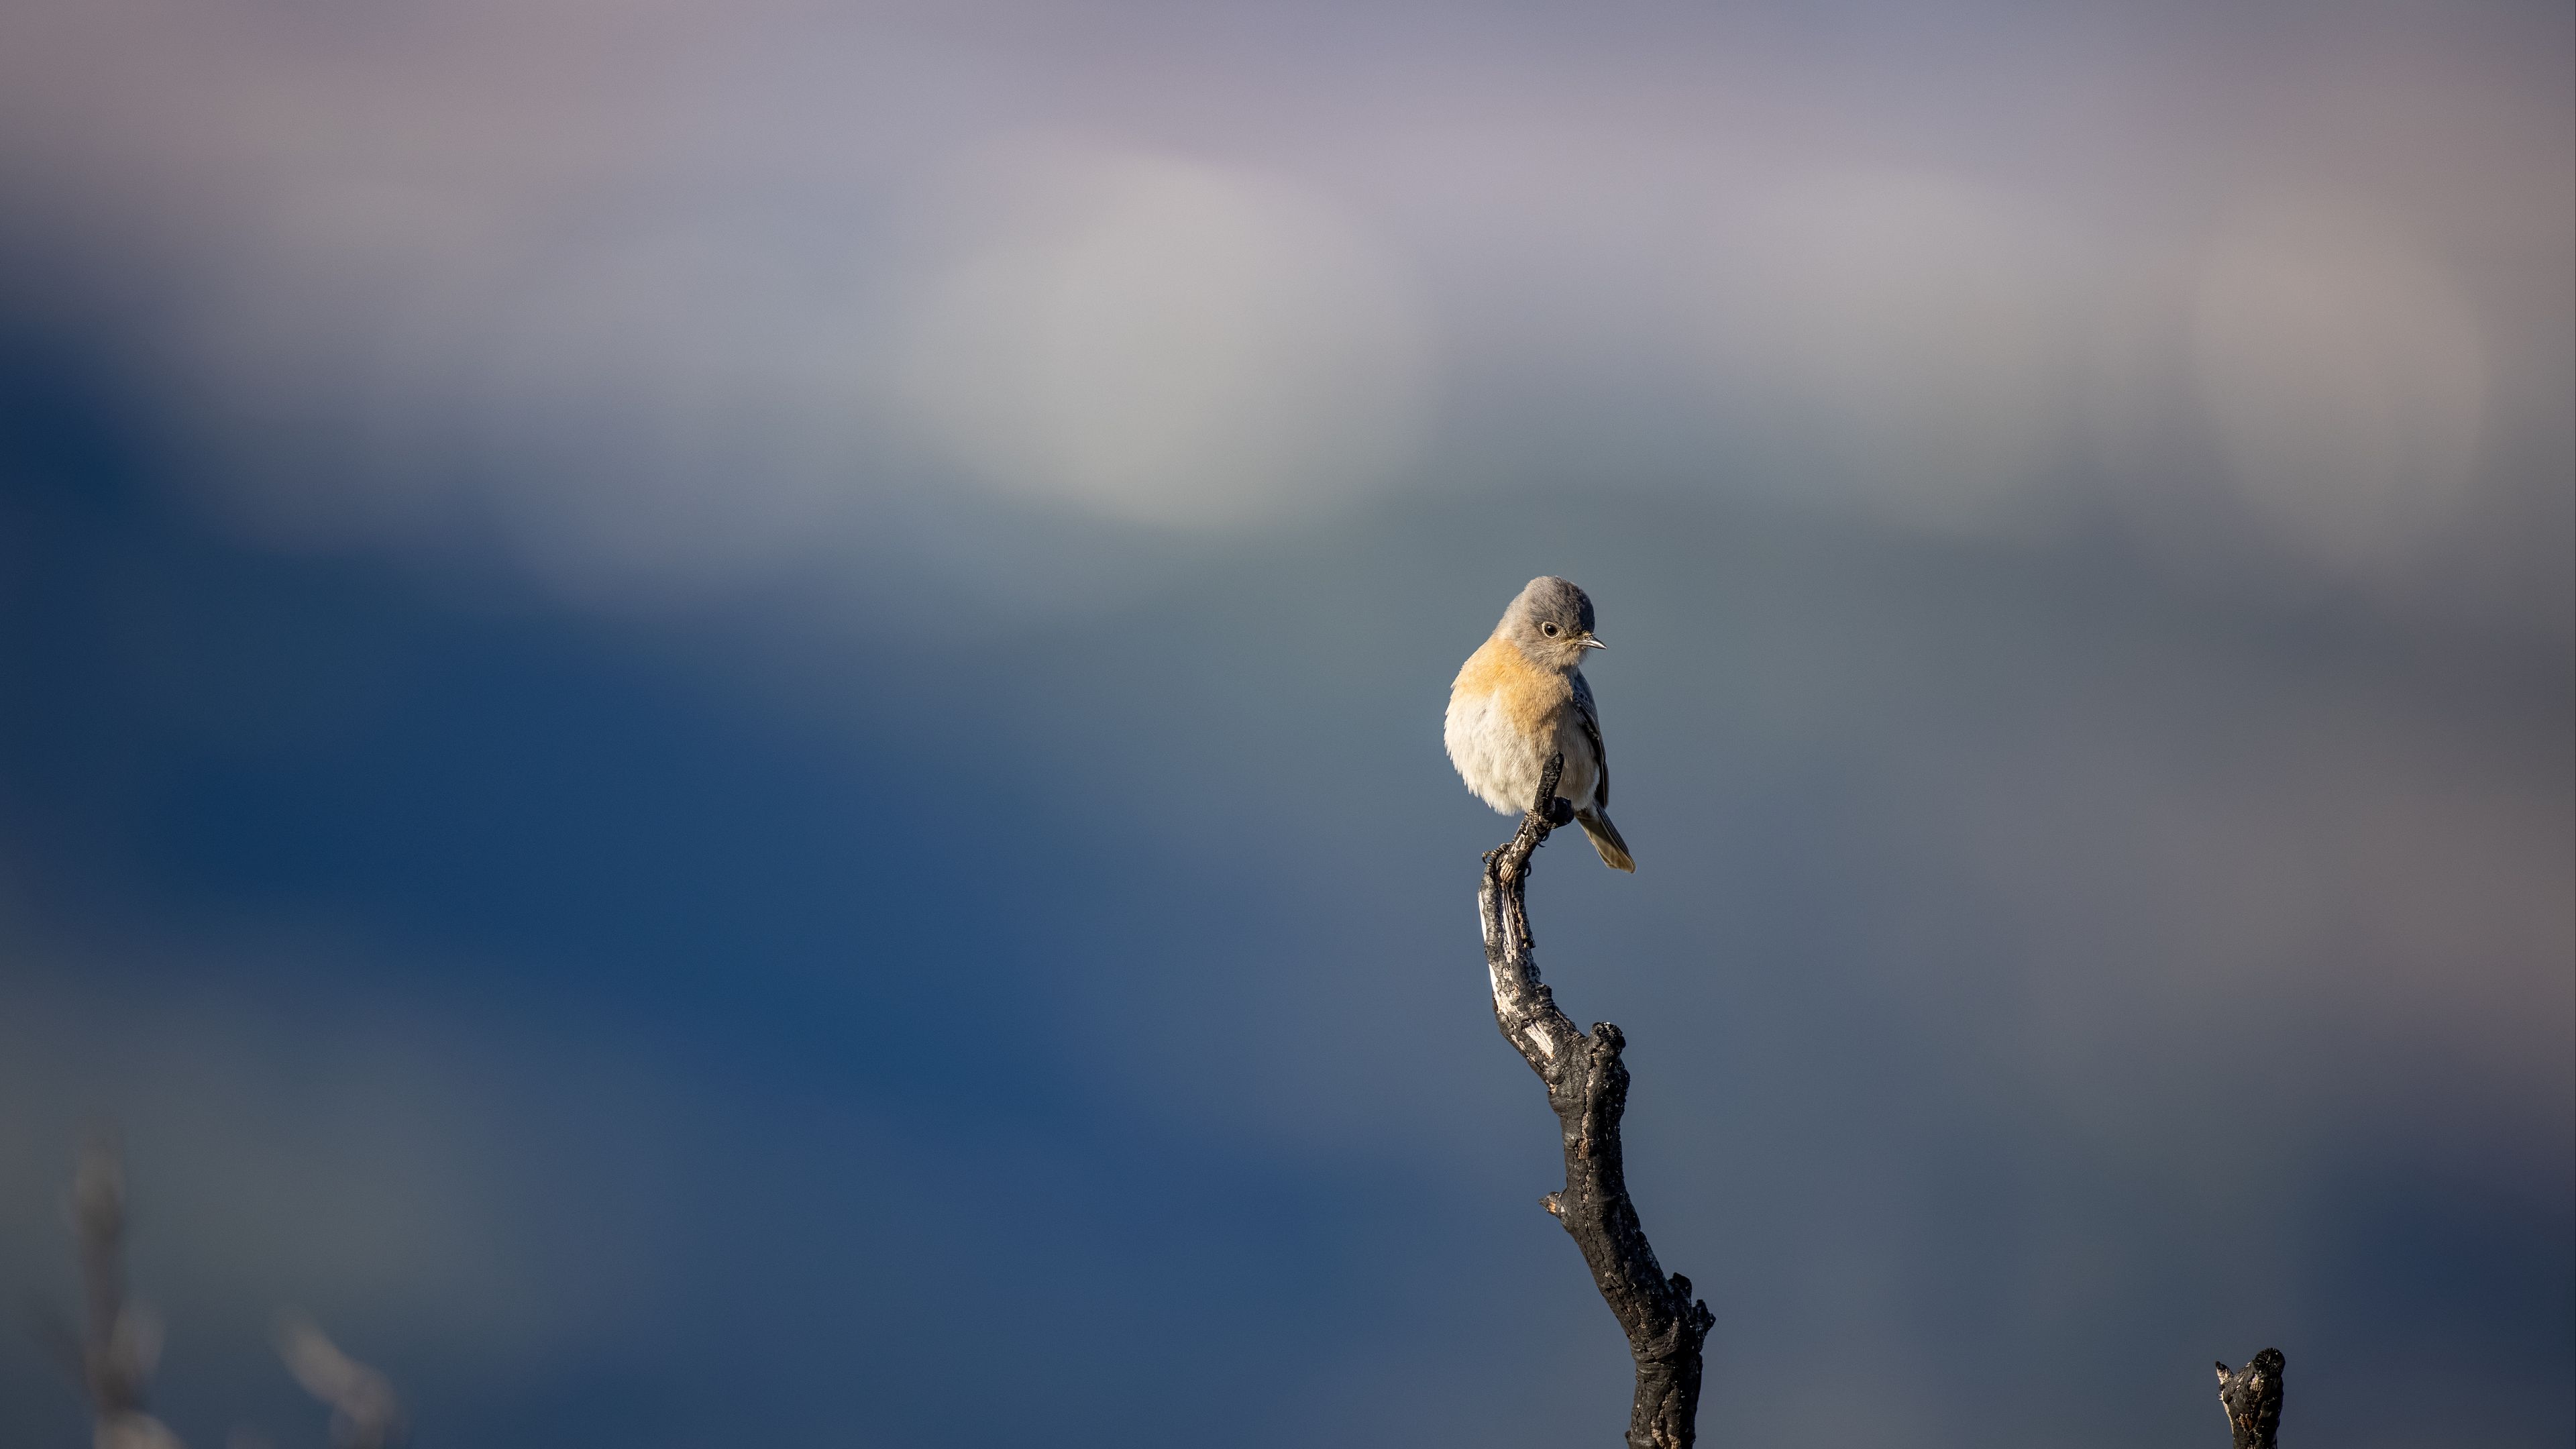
(1591,721)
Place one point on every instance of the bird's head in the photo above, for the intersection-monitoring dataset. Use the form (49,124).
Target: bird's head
(1551,621)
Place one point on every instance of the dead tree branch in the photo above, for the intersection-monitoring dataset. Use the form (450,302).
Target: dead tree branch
(1587,1085)
(120,1342)
(2251,1396)
(365,1414)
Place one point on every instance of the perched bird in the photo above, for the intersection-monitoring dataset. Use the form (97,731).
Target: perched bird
(1521,698)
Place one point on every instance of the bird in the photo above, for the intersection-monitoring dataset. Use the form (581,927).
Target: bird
(1521,698)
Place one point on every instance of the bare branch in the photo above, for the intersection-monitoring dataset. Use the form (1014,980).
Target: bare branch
(120,1342)
(2251,1397)
(1587,1085)
(364,1412)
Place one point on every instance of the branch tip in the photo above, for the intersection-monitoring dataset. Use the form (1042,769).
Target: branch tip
(2251,1399)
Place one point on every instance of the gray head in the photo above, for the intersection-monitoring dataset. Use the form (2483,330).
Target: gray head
(1551,621)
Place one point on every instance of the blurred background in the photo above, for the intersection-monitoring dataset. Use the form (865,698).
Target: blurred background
(721,722)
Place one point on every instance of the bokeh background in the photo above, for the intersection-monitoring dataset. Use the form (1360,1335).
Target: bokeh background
(720,721)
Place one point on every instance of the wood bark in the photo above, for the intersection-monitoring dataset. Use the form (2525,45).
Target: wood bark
(2251,1397)
(1587,1086)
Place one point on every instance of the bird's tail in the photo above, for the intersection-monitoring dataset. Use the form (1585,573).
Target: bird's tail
(1605,839)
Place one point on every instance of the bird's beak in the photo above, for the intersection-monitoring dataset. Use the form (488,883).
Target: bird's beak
(1591,643)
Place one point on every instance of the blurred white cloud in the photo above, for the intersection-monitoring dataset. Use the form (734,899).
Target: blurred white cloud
(661,299)
(1165,341)
(2343,375)
(691,395)
(1901,337)
(666,403)
(687,400)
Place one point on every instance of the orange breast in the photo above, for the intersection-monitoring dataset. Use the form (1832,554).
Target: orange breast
(1529,697)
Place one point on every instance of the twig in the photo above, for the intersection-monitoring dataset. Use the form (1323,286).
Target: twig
(120,1342)
(2251,1397)
(365,1414)
(1587,1085)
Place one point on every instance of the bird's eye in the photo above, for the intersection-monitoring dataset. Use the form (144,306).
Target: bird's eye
(1548,629)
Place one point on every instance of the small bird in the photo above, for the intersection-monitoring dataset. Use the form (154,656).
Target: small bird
(1521,698)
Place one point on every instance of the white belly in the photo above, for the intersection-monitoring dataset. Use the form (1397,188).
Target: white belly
(1502,766)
